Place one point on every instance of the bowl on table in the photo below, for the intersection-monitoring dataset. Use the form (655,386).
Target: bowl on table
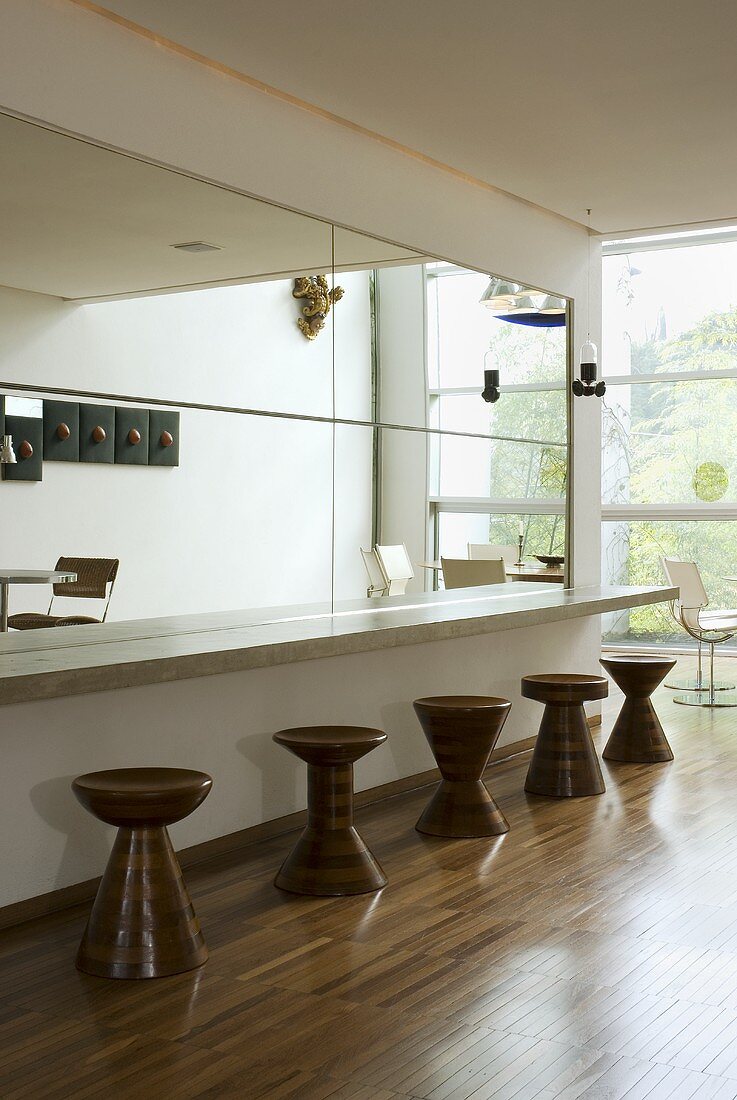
(550,560)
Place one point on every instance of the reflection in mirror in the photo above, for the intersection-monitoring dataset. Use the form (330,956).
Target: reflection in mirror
(24,406)
(226,530)
(477,472)
(263,347)
(380,499)
(387,494)
(213,322)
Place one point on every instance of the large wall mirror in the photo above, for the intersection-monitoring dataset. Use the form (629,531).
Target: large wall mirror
(324,387)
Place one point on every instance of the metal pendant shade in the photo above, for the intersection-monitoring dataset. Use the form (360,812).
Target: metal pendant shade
(500,294)
(544,313)
(552,306)
(514,303)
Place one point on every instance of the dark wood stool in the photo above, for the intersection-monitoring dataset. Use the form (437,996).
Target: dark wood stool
(142,923)
(564,762)
(462,731)
(637,736)
(330,858)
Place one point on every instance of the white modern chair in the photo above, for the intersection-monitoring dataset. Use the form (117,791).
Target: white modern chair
(396,567)
(467,573)
(484,550)
(378,584)
(709,627)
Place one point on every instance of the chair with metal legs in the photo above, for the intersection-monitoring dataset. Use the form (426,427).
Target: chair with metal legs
(709,627)
(697,682)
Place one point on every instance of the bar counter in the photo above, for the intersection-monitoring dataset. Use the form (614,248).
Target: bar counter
(53,663)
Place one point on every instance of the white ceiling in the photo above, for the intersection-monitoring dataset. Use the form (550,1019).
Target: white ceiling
(83,222)
(628,107)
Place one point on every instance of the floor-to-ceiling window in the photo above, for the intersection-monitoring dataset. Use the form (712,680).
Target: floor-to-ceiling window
(511,466)
(669,427)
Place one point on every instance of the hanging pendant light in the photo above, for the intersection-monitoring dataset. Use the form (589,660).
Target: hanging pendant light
(586,385)
(537,311)
(520,306)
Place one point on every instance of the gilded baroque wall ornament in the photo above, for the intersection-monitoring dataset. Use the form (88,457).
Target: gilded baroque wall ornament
(320,299)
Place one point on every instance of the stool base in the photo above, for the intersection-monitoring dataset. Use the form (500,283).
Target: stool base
(637,736)
(142,924)
(564,763)
(462,808)
(330,863)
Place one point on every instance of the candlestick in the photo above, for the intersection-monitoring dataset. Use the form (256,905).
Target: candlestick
(521,544)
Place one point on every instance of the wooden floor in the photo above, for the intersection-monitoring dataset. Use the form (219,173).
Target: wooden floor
(590,952)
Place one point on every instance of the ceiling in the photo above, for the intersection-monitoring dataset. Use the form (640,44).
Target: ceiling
(83,222)
(627,107)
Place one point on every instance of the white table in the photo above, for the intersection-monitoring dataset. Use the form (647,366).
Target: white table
(26,576)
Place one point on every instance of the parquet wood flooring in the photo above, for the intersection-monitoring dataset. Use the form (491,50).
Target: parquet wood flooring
(589,953)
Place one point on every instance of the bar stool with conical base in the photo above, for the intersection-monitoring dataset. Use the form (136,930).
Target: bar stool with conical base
(330,859)
(564,763)
(637,736)
(142,924)
(462,731)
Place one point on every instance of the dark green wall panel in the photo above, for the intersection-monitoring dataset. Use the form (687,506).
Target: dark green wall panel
(92,417)
(127,420)
(29,428)
(57,413)
(161,421)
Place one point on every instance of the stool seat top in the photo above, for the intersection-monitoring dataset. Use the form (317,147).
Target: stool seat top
(142,796)
(330,735)
(143,780)
(463,702)
(638,675)
(330,745)
(638,660)
(564,687)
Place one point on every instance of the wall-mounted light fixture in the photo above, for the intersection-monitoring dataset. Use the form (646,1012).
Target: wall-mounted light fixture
(490,392)
(586,385)
(7,454)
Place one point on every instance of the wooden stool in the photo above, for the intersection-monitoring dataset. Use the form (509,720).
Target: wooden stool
(637,736)
(564,762)
(330,858)
(142,923)
(462,731)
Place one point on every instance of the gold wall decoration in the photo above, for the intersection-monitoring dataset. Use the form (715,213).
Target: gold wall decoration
(319,300)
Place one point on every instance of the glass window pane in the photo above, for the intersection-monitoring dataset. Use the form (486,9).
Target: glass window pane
(543,534)
(671,309)
(632,553)
(465,330)
(525,415)
(670,442)
(500,469)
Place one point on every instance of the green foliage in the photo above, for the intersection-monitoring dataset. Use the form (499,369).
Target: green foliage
(681,448)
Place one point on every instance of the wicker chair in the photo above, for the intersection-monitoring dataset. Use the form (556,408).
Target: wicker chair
(93,577)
